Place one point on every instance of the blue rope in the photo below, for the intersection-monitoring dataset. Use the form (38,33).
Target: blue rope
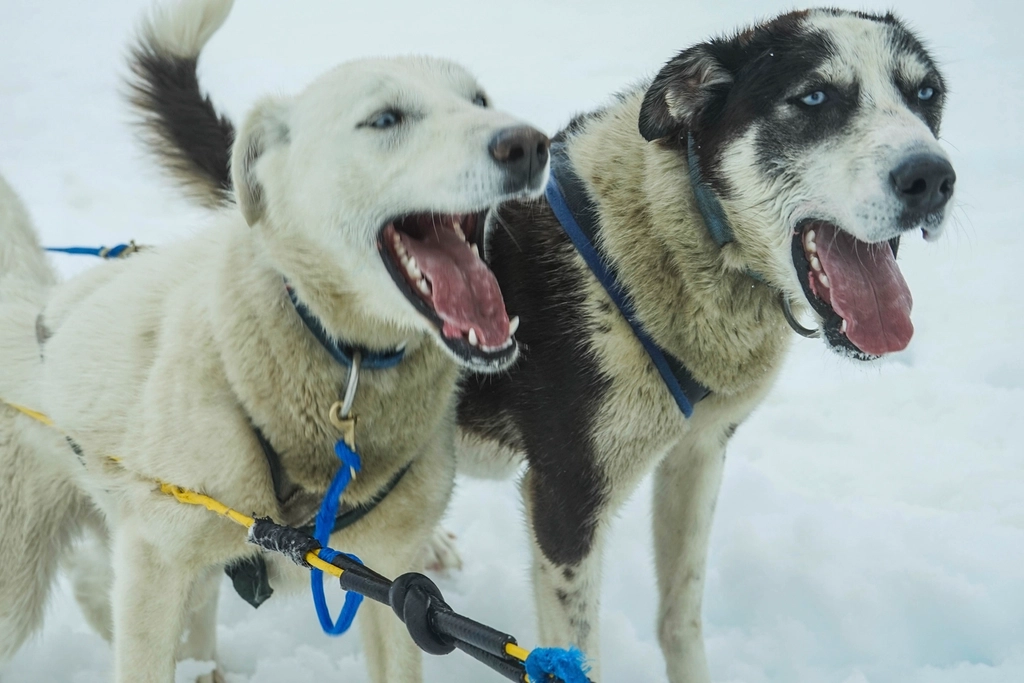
(350,464)
(564,665)
(102,252)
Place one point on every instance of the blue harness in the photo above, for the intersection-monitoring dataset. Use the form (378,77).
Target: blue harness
(575,210)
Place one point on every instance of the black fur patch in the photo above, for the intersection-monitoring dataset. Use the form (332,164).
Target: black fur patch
(766,64)
(193,139)
(76,449)
(577,123)
(553,392)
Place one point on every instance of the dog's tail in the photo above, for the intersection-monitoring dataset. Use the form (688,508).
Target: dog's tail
(189,137)
(24,269)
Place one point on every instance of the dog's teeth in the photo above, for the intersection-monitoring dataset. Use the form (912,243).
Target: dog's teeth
(842,328)
(458,229)
(815,263)
(412,268)
(473,341)
(424,287)
(476,251)
(809,243)
(513,325)
(824,279)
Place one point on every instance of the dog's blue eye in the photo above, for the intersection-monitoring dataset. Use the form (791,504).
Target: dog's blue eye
(925,93)
(813,99)
(386,119)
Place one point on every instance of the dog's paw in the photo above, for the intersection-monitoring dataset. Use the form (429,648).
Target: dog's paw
(440,554)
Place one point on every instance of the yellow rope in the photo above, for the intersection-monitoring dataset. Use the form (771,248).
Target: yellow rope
(189,497)
(212,504)
(516,652)
(35,415)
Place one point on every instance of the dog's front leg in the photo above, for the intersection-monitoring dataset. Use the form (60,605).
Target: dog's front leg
(391,656)
(201,624)
(566,563)
(685,490)
(150,599)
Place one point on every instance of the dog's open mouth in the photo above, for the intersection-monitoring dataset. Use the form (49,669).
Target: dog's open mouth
(434,259)
(856,288)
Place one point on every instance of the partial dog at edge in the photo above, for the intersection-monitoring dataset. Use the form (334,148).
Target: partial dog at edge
(816,134)
(366,195)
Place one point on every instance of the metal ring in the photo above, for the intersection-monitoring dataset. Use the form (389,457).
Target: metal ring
(791,319)
(351,385)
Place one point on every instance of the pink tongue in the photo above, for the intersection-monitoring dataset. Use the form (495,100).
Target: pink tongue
(465,293)
(867,290)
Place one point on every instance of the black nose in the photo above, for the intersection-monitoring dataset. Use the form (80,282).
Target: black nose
(523,153)
(924,182)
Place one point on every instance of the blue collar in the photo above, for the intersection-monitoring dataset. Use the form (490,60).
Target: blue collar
(370,360)
(710,208)
(575,210)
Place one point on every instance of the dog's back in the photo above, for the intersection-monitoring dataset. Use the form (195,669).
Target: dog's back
(25,278)
(39,508)
(24,270)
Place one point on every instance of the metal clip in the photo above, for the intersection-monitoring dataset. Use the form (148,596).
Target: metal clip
(341,411)
(347,425)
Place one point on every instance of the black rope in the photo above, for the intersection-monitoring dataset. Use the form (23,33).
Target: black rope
(433,625)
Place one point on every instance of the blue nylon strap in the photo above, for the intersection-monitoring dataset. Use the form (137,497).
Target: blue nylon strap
(103,252)
(615,290)
(371,360)
(350,464)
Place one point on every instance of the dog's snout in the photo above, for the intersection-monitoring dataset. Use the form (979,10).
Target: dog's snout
(924,183)
(522,151)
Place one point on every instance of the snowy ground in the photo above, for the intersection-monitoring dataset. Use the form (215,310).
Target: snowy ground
(871,524)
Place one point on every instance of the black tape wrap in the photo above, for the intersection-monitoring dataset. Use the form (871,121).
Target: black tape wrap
(290,542)
(414,598)
(465,630)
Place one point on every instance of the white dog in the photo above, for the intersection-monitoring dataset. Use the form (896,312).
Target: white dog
(202,362)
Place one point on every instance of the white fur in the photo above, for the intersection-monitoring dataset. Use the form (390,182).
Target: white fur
(168,358)
(183,28)
(845,179)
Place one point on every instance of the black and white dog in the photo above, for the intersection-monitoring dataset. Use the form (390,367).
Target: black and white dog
(768,172)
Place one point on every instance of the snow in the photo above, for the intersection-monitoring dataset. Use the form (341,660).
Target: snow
(871,524)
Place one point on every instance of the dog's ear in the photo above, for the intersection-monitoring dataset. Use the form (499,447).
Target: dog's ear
(682,91)
(265,128)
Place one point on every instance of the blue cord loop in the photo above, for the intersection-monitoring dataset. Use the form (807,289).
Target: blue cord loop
(350,465)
